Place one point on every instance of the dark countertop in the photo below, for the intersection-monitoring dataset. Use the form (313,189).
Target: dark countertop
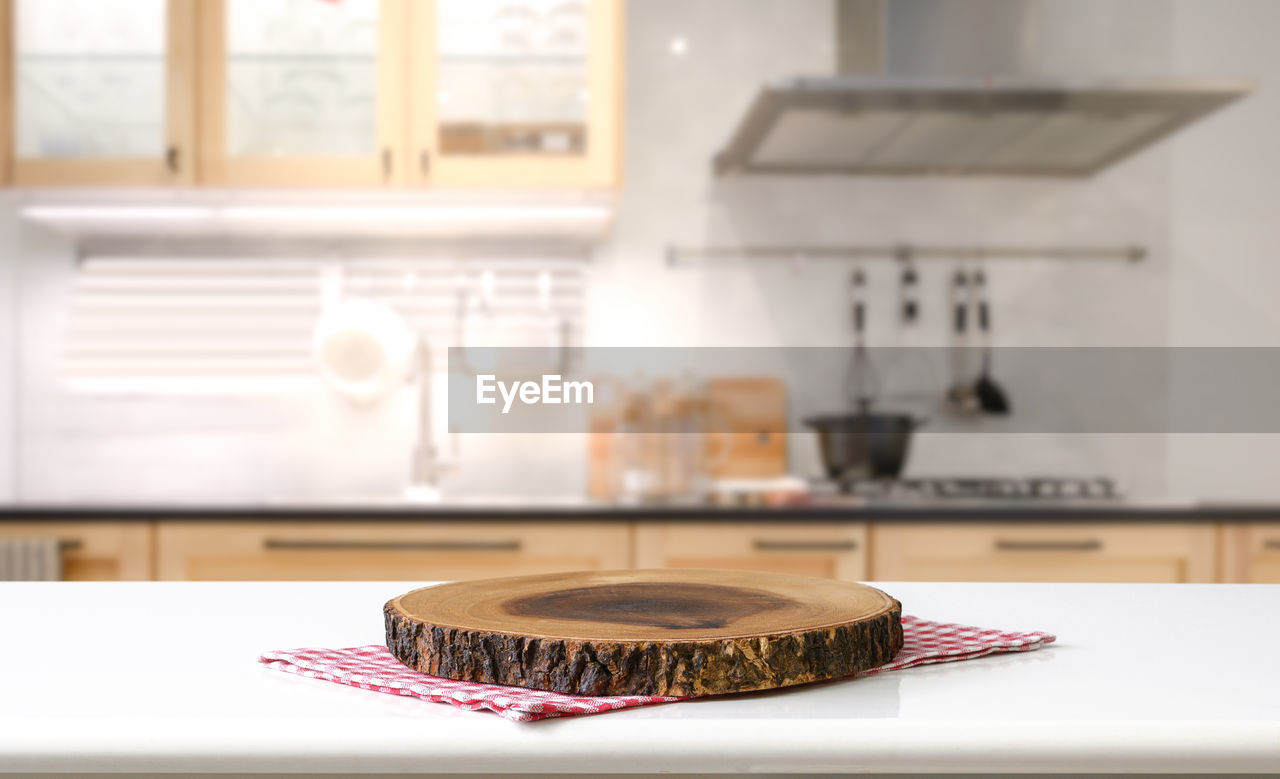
(586,511)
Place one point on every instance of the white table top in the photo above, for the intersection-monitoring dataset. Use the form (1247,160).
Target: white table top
(163,677)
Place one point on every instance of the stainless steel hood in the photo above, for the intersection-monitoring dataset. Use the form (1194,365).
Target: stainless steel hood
(861,125)
(978,125)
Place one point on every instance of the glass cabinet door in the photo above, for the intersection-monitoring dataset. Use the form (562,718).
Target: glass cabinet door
(515,92)
(101,92)
(302,92)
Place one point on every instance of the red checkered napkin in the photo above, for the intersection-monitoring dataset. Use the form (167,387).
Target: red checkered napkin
(374,668)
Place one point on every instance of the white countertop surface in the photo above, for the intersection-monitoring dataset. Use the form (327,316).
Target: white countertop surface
(133,677)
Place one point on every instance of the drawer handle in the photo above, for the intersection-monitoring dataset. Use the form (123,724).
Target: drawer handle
(1087,545)
(307,545)
(765,545)
(70,544)
(1271,543)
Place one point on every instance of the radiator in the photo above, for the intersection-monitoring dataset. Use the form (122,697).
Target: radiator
(30,560)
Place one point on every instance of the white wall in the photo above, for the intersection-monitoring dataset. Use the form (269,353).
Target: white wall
(682,108)
(9,250)
(1226,232)
(126,447)
(1178,199)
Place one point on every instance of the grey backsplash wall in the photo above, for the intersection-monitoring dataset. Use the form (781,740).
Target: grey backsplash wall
(1225,233)
(1203,204)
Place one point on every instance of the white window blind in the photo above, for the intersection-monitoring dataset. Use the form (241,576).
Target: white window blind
(196,324)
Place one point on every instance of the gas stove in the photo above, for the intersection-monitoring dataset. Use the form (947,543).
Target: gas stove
(986,489)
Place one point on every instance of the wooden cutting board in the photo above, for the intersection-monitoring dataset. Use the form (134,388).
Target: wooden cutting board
(755,409)
(645,632)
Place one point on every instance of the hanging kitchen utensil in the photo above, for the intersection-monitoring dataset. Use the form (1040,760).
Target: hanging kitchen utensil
(860,383)
(992,398)
(960,394)
(862,443)
(909,287)
(363,349)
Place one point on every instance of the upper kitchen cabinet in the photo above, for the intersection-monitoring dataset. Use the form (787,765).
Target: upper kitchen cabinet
(491,94)
(98,92)
(515,93)
(302,93)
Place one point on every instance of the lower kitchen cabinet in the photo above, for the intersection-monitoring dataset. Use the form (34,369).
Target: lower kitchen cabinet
(1059,552)
(352,551)
(94,551)
(291,550)
(830,550)
(1251,553)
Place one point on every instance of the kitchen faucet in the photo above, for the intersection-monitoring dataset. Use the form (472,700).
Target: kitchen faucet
(425,466)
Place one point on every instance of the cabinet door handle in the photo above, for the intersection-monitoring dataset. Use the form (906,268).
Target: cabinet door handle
(171,159)
(424,161)
(1271,543)
(1084,545)
(326,545)
(386,163)
(769,545)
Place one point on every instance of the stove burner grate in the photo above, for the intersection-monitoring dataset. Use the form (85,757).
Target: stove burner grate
(950,488)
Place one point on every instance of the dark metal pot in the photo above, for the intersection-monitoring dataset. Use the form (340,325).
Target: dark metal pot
(864,444)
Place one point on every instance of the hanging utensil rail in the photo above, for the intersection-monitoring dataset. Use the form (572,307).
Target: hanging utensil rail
(678,256)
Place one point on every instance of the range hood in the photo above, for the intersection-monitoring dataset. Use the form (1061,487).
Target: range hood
(970,124)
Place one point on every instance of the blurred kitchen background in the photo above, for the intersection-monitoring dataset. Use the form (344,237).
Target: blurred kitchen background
(198,190)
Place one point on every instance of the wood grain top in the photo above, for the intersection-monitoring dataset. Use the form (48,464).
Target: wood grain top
(645,605)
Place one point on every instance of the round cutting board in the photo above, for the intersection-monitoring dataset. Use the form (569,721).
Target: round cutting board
(645,632)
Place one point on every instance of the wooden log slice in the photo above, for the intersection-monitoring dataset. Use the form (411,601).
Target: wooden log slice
(645,632)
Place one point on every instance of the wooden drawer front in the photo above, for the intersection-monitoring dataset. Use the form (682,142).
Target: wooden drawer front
(1251,553)
(427,551)
(832,551)
(1048,552)
(94,551)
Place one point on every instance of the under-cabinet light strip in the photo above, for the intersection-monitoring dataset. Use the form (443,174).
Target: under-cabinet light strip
(280,214)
